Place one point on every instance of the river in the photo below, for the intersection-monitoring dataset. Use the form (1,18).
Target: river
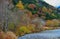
(49,34)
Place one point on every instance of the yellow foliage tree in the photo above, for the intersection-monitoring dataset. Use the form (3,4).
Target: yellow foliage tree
(22,30)
(31,27)
(49,23)
(53,14)
(20,5)
(56,23)
(44,9)
(50,10)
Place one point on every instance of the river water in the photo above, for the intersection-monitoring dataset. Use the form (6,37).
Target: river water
(49,34)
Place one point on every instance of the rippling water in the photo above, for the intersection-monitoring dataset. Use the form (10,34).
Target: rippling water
(51,34)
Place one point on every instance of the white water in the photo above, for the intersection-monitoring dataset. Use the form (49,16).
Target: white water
(51,34)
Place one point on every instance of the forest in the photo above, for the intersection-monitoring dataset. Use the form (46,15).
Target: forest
(27,17)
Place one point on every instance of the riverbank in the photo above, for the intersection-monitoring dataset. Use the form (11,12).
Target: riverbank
(49,28)
(49,34)
(42,29)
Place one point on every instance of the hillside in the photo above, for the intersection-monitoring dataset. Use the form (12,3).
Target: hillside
(27,16)
(39,8)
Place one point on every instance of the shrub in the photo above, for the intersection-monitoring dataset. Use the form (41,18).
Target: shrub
(10,35)
(22,30)
(53,23)
(49,23)
(56,23)
(11,26)
(31,27)
(1,35)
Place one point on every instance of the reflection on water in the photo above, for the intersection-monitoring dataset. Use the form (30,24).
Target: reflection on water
(51,34)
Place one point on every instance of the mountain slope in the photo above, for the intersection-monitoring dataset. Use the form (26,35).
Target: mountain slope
(41,8)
